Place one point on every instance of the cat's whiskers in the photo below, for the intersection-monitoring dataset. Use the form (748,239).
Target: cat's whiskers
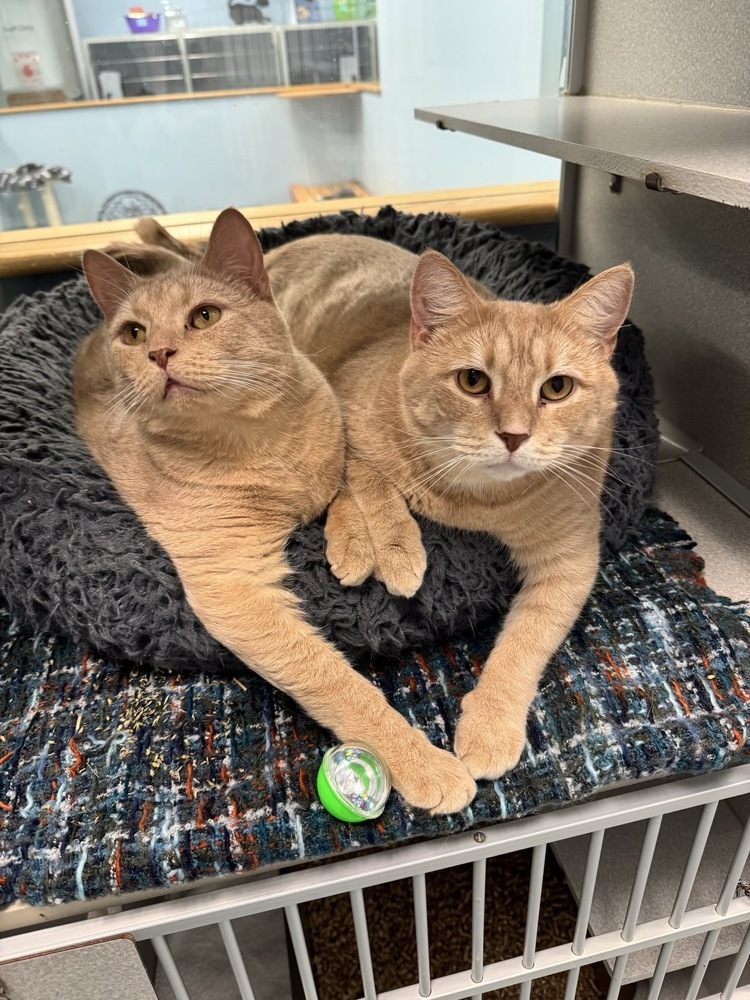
(458,475)
(577,470)
(576,475)
(627,452)
(408,433)
(565,482)
(127,399)
(581,472)
(409,458)
(268,386)
(428,483)
(422,480)
(592,462)
(118,398)
(239,363)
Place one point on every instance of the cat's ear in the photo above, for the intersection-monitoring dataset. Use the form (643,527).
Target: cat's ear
(233,250)
(110,282)
(602,304)
(439,292)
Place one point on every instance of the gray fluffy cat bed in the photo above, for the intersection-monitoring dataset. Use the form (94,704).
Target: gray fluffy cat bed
(75,560)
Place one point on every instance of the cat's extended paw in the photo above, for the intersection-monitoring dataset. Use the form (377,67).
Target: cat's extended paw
(434,780)
(488,742)
(401,565)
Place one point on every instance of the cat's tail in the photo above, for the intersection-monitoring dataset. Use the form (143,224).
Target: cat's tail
(155,235)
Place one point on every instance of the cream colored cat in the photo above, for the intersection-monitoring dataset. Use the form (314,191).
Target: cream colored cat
(223,437)
(479,413)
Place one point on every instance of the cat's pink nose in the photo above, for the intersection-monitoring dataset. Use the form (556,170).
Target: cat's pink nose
(161,355)
(512,441)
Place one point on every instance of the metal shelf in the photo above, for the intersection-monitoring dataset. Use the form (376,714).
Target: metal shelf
(685,148)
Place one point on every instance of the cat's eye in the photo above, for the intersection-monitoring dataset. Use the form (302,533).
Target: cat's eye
(204,316)
(556,388)
(132,334)
(473,381)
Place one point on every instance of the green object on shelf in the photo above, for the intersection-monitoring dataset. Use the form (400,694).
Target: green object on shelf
(343,10)
(354,10)
(353,783)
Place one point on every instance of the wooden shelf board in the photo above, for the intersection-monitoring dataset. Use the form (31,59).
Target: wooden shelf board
(53,248)
(696,149)
(298,90)
(326,89)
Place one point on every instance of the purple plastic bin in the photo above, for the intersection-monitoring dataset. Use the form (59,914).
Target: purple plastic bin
(149,22)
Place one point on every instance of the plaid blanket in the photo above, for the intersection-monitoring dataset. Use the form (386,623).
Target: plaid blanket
(116,778)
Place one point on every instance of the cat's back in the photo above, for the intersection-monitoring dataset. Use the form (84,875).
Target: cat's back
(338,293)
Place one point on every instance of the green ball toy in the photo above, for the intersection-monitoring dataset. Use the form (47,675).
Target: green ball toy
(353,783)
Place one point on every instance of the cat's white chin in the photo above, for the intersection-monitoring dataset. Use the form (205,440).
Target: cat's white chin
(498,471)
(505,473)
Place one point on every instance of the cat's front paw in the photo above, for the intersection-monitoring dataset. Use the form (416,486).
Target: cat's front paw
(434,780)
(401,563)
(488,742)
(349,549)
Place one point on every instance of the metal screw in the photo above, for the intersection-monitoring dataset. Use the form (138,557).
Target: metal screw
(480,837)
(654,182)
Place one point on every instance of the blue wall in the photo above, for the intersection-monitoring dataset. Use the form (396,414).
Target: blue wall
(435,52)
(190,155)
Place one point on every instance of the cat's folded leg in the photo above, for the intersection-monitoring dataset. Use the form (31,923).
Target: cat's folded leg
(262,624)
(400,560)
(491,731)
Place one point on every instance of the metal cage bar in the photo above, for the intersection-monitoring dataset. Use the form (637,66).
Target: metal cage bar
(641,877)
(419,886)
(693,862)
(738,965)
(536,880)
(478,888)
(593,858)
(363,943)
(535,898)
(571,983)
(301,954)
(696,980)
(735,871)
(167,962)
(662,964)
(682,898)
(618,972)
(236,960)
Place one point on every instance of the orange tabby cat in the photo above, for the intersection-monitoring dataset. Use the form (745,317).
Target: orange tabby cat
(479,413)
(223,438)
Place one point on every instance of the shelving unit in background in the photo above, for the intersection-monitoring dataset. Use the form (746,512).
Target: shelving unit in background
(236,59)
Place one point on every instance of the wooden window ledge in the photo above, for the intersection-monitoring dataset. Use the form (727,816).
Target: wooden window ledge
(54,248)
